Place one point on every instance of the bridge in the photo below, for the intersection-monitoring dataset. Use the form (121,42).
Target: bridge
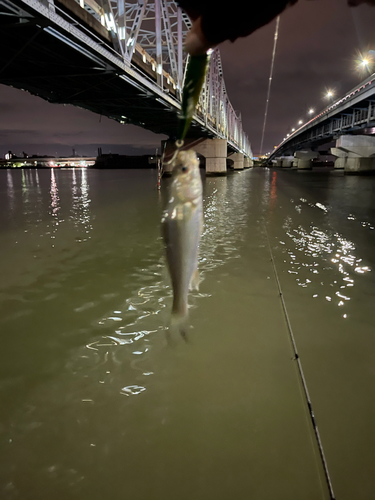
(123,60)
(350,121)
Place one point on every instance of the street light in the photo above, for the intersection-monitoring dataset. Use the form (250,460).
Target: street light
(365,64)
(311,111)
(300,122)
(364,61)
(329,95)
(293,129)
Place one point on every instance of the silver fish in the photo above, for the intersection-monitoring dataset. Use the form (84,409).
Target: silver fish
(182,225)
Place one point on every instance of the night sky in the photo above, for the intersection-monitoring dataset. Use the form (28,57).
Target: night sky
(319,43)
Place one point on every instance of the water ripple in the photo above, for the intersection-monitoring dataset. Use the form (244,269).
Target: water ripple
(131,325)
(132,390)
(320,257)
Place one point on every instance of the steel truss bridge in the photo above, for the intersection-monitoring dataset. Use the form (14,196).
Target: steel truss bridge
(354,113)
(123,60)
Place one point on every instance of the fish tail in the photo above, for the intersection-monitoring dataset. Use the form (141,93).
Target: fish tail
(179,321)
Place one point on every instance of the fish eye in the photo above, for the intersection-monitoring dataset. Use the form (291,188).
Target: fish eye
(184,169)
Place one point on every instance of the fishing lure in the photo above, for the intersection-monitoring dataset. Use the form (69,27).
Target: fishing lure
(194,79)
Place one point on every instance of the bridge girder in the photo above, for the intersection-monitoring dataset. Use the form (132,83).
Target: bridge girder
(350,114)
(144,50)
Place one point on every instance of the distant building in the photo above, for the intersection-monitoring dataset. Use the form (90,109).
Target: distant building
(13,161)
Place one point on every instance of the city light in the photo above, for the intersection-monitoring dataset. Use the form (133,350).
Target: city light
(293,129)
(300,122)
(329,94)
(311,111)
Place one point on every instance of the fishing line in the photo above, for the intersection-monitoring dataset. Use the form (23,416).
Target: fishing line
(270,81)
(300,370)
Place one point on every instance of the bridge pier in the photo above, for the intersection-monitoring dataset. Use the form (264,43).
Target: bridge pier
(304,158)
(249,163)
(340,163)
(238,161)
(287,161)
(215,152)
(341,157)
(355,154)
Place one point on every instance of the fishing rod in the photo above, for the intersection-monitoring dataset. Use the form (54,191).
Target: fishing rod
(301,374)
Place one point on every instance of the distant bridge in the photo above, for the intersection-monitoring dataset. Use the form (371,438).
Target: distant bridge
(123,60)
(350,121)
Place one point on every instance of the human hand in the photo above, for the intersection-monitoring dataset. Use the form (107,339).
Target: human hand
(212,24)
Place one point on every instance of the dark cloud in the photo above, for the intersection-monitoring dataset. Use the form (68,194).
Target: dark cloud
(318,44)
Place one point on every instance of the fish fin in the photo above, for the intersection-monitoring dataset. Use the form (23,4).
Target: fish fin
(179,322)
(194,282)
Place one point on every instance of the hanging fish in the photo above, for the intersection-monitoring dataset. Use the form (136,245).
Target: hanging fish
(182,221)
(182,225)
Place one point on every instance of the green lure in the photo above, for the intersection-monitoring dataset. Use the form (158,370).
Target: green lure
(195,75)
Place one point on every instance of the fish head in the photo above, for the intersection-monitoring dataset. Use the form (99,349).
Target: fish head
(187,183)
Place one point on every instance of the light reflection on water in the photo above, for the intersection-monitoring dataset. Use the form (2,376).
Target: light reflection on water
(80,211)
(321,258)
(322,239)
(10,190)
(82,366)
(55,205)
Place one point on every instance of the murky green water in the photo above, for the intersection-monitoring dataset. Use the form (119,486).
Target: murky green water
(96,404)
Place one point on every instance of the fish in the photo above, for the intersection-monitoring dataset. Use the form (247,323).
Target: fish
(182,225)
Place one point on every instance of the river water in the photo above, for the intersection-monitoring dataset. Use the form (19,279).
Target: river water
(96,403)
